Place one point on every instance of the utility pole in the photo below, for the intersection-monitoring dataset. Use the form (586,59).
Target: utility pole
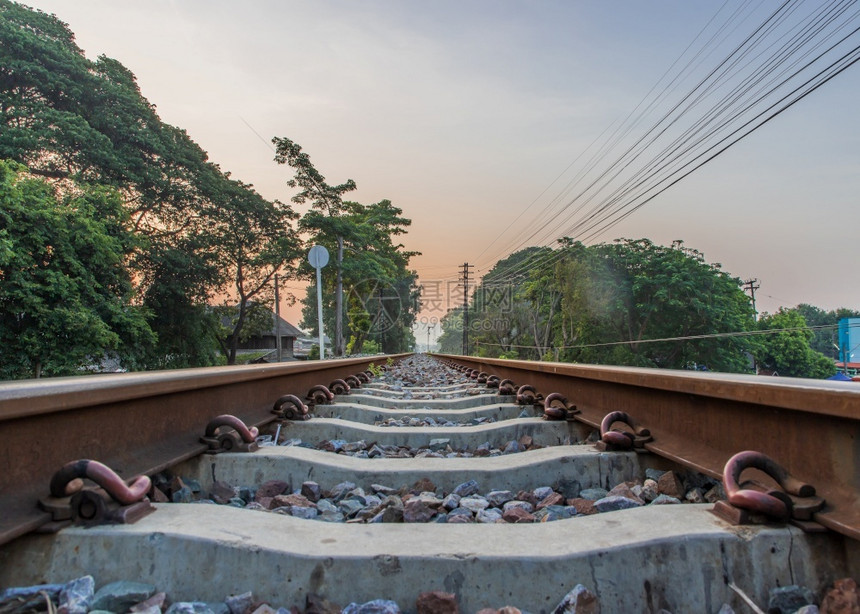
(277,318)
(464,273)
(752,286)
(338,302)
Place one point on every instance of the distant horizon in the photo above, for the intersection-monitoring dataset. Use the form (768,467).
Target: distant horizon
(462,114)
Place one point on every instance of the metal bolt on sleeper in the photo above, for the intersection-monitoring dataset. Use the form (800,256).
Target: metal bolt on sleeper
(239,439)
(113,500)
(794,500)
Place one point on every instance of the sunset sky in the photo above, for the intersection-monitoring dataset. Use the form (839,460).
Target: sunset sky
(464,114)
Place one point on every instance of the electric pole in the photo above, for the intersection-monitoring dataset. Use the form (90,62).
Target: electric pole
(338,301)
(464,273)
(277,318)
(752,286)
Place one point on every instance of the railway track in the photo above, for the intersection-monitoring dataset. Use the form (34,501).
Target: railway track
(370,486)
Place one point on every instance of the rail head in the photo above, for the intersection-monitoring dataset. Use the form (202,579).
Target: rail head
(135,423)
(824,397)
(700,420)
(32,397)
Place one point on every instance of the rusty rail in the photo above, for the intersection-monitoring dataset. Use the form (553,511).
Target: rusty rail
(142,423)
(700,420)
(136,423)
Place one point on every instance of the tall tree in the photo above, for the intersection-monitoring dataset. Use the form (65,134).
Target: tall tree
(66,297)
(326,217)
(788,352)
(610,303)
(255,240)
(380,290)
(81,122)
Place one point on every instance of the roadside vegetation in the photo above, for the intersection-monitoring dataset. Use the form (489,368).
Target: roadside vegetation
(121,241)
(635,303)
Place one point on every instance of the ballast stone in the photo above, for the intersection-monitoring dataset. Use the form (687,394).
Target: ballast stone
(120,596)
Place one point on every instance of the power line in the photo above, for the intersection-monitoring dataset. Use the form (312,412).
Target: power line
(720,127)
(771,331)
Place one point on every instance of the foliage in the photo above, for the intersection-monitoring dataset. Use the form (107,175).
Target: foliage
(376,370)
(254,241)
(176,296)
(65,294)
(380,296)
(825,339)
(83,123)
(451,338)
(788,353)
(606,303)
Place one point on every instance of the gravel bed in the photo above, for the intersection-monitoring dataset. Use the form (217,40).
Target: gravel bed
(434,422)
(79,596)
(437,448)
(424,502)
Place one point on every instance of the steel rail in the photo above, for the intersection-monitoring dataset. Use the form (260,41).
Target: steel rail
(700,420)
(135,423)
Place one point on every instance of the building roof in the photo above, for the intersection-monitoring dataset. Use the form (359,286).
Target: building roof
(282,327)
(285,328)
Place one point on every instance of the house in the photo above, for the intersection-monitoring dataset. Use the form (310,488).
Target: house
(268,340)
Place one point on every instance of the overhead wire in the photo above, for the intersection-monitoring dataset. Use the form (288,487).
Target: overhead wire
(804,32)
(748,333)
(627,125)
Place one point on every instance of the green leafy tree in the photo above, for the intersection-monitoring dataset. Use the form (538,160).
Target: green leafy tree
(65,294)
(325,221)
(82,122)
(825,338)
(608,303)
(371,275)
(255,240)
(671,292)
(788,352)
(183,272)
(451,339)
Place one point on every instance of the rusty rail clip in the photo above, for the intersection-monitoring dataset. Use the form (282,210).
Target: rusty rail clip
(352,381)
(753,502)
(507,387)
(339,386)
(493,381)
(557,407)
(527,395)
(114,501)
(290,407)
(240,439)
(320,395)
(615,439)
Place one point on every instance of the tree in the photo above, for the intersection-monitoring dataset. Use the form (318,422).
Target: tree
(79,122)
(255,240)
(787,352)
(451,338)
(65,293)
(671,292)
(325,217)
(506,315)
(181,273)
(610,303)
(825,338)
(381,295)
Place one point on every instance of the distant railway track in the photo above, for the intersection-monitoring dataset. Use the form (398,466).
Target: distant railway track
(150,422)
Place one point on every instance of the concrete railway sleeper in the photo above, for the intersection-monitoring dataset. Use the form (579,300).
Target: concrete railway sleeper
(586,517)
